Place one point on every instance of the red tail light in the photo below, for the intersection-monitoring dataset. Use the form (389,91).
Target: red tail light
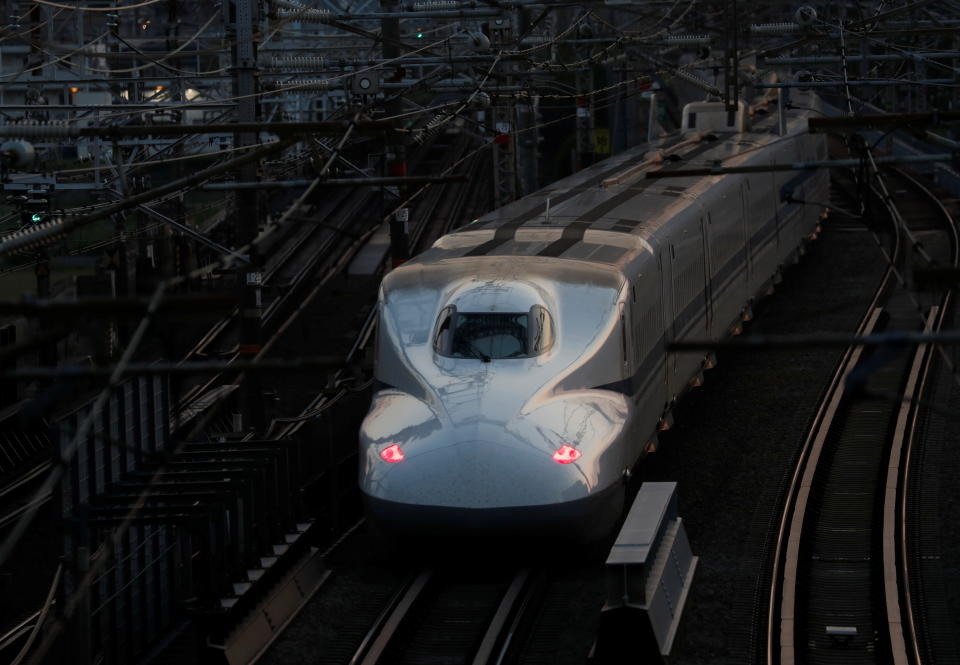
(566,454)
(392,454)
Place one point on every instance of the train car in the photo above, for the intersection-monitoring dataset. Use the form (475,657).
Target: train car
(521,363)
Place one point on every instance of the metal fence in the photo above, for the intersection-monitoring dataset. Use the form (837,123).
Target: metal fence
(203,530)
(132,596)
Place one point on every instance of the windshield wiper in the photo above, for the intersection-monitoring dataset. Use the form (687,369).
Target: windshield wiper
(477,353)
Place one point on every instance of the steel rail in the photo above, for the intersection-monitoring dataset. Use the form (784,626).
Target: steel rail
(898,594)
(288,426)
(893,519)
(288,247)
(397,619)
(198,390)
(331,272)
(385,629)
(523,607)
(781,618)
(219,329)
(899,619)
(495,635)
(791,525)
(428,206)
(301,199)
(325,249)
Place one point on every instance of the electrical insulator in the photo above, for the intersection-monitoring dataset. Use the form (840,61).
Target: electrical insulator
(18,154)
(33,129)
(288,9)
(431,128)
(805,16)
(693,79)
(803,76)
(774,28)
(479,41)
(301,85)
(305,15)
(683,40)
(433,5)
(32,238)
(481,100)
(294,62)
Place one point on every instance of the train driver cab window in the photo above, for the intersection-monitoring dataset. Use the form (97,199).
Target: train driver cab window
(493,335)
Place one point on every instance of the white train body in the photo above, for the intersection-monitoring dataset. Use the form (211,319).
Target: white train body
(521,361)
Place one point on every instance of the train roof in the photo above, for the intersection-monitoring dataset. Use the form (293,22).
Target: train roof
(604,214)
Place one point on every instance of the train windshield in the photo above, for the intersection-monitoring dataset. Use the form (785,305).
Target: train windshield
(493,335)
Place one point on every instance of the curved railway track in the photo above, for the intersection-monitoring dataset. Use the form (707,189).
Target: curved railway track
(840,590)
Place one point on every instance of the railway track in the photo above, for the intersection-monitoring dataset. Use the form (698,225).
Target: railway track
(429,209)
(288,262)
(840,591)
(442,209)
(322,246)
(314,244)
(445,618)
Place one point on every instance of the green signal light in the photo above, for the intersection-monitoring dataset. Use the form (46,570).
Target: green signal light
(36,217)
(420,34)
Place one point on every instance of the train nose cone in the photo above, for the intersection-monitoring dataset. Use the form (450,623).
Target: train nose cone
(477,473)
(481,488)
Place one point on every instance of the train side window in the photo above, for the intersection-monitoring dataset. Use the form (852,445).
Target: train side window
(541,330)
(443,338)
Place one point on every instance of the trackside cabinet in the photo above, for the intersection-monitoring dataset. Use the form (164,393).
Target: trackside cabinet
(648,576)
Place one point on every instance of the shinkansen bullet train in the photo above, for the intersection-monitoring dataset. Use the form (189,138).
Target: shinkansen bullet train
(521,362)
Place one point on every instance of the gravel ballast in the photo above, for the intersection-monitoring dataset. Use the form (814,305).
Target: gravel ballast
(734,441)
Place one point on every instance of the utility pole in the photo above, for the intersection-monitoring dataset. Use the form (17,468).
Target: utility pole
(395,157)
(505,140)
(181,249)
(584,153)
(528,142)
(242,17)
(731,60)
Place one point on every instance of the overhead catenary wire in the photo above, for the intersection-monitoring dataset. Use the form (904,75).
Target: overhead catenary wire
(36,237)
(279,91)
(116,8)
(158,61)
(34,28)
(56,60)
